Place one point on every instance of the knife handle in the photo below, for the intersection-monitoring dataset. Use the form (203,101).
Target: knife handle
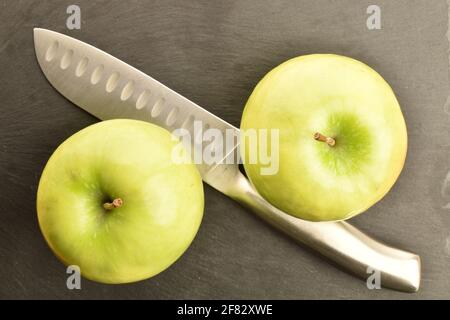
(339,241)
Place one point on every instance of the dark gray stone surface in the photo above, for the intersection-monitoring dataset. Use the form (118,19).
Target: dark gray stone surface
(214,52)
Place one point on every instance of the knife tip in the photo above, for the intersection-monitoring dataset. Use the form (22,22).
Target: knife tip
(39,30)
(36,31)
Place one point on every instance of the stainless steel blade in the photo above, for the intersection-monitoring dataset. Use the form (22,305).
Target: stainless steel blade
(109,88)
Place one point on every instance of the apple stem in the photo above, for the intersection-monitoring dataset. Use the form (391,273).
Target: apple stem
(320,137)
(111,205)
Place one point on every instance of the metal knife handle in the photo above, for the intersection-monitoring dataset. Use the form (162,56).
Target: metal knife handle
(339,241)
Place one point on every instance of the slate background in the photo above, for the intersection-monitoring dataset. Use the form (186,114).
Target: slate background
(214,52)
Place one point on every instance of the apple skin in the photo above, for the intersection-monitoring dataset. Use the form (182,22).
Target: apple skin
(131,160)
(341,98)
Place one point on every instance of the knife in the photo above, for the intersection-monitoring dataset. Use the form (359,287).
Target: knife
(109,88)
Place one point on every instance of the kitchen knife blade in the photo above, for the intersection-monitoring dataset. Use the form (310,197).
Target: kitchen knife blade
(109,88)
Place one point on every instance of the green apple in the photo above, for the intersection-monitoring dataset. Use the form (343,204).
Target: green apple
(342,136)
(112,201)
